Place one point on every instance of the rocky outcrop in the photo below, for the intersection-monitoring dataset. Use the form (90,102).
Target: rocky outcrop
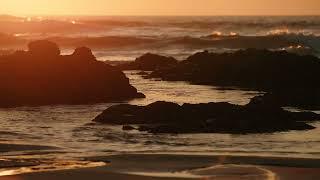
(83,53)
(291,78)
(149,62)
(164,117)
(41,76)
(257,69)
(306,98)
(43,49)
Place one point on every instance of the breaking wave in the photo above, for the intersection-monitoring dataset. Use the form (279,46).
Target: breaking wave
(173,35)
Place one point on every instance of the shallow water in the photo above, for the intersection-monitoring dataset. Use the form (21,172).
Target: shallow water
(70,128)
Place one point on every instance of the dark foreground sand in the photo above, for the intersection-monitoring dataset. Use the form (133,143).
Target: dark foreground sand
(162,166)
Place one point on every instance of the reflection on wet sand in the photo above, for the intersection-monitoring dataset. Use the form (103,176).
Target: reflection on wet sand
(173,167)
(221,170)
(50,166)
(218,172)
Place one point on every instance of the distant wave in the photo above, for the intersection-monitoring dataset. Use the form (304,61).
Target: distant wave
(6,51)
(297,43)
(12,24)
(201,24)
(10,40)
(233,42)
(279,38)
(299,49)
(205,22)
(293,42)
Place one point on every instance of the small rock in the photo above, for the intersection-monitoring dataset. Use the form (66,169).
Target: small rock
(128,128)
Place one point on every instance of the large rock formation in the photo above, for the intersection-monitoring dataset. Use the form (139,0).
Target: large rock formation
(42,49)
(256,69)
(258,116)
(41,76)
(292,79)
(149,62)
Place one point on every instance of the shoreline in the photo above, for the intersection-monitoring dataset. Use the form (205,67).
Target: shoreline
(7,147)
(171,166)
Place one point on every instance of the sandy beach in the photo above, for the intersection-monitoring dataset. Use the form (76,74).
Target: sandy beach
(163,166)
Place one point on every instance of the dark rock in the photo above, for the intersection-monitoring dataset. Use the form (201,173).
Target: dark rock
(292,79)
(265,101)
(132,114)
(306,98)
(121,114)
(84,53)
(149,62)
(41,76)
(164,112)
(128,128)
(44,48)
(140,95)
(166,117)
(254,69)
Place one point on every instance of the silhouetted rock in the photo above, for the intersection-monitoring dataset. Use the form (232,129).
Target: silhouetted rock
(166,117)
(307,98)
(292,79)
(149,62)
(121,114)
(42,76)
(128,128)
(44,48)
(84,53)
(264,101)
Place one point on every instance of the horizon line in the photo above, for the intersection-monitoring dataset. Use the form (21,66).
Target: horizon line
(159,15)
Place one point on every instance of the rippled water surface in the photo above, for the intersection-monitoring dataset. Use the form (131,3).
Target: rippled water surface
(70,128)
(125,38)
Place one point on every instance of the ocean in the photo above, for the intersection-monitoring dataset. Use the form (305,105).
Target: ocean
(70,128)
(125,38)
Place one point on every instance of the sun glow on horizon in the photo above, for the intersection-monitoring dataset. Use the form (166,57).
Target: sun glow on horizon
(160,7)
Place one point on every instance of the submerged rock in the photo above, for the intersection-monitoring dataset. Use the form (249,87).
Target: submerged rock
(41,76)
(166,117)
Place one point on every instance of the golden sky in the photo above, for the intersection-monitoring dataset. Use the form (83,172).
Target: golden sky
(160,7)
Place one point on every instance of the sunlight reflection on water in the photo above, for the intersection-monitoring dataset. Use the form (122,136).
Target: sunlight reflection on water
(70,128)
(51,166)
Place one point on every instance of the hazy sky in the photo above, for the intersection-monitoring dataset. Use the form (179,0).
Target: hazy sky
(161,7)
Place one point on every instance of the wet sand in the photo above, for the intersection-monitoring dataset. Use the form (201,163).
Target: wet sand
(162,166)
(22,147)
(16,162)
